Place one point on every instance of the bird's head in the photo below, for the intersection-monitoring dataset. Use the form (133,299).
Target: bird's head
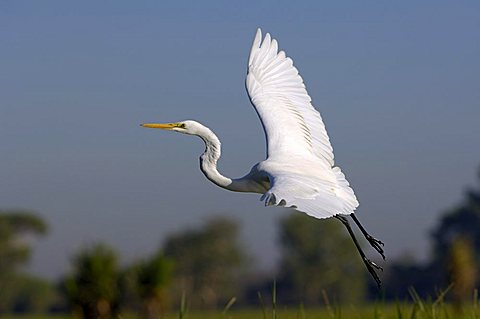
(185,127)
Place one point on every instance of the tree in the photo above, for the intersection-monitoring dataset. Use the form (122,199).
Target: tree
(458,226)
(32,294)
(318,259)
(462,271)
(143,286)
(455,243)
(92,289)
(153,276)
(15,250)
(208,262)
(129,297)
(406,273)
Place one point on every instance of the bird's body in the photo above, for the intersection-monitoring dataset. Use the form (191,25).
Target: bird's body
(299,170)
(303,182)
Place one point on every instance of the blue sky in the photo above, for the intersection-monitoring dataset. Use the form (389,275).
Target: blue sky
(397,83)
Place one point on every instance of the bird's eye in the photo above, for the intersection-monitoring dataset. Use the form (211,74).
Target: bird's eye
(181,125)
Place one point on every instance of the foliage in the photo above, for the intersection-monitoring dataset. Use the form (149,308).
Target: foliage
(318,261)
(129,297)
(25,294)
(153,277)
(208,262)
(462,270)
(92,289)
(143,286)
(460,222)
(455,245)
(15,227)
(405,273)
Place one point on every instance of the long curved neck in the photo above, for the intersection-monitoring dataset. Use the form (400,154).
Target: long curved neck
(208,163)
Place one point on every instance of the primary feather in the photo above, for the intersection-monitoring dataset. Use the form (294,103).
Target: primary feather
(300,158)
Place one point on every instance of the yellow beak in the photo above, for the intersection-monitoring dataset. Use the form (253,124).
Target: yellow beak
(166,126)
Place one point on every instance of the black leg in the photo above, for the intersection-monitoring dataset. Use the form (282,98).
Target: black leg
(377,244)
(371,266)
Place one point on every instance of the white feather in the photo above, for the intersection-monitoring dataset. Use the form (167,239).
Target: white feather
(300,157)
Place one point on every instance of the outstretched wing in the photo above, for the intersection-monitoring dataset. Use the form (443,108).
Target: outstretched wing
(299,161)
(276,90)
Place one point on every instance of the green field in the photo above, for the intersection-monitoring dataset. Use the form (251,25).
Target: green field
(390,311)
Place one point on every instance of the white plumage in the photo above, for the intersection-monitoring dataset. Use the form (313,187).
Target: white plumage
(299,169)
(299,160)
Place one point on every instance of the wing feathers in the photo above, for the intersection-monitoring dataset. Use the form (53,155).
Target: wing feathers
(298,146)
(255,45)
(278,94)
(320,197)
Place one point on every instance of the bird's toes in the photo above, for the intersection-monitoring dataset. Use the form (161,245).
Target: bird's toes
(377,245)
(370,263)
(376,266)
(371,269)
(374,241)
(379,250)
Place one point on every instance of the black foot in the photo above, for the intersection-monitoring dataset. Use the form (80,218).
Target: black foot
(376,244)
(371,266)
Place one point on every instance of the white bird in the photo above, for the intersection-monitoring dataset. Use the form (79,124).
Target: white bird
(299,170)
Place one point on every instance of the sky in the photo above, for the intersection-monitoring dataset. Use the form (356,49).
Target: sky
(397,84)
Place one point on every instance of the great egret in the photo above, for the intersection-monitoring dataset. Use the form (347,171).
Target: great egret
(299,171)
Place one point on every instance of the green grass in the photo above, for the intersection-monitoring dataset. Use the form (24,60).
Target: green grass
(390,311)
(416,310)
